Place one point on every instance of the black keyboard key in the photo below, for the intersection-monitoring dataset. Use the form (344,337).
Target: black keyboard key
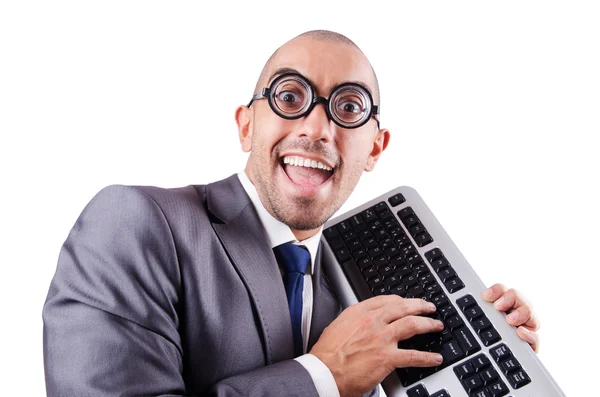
(381,291)
(410,221)
(451,352)
(343,254)
(447,274)
(386,271)
(344,227)
(364,235)
(364,263)
(380,262)
(330,233)
(454,285)
(500,352)
(447,311)
(440,301)
(396,200)
(510,365)
(420,268)
(375,252)
(375,283)
(354,245)
(488,375)
(409,281)
(399,290)
(446,335)
(433,254)
(415,260)
(416,292)
(480,363)
(489,336)
(336,243)
(426,279)
(472,384)
(417,229)
(481,393)
(358,223)
(464,370)
(454,322)
(359,254)
(473,313)
(481,324)
(466,340)
(518,379)
(404,271)
(397,262)
(417,391)
(433,289)
(370,273)
(405,212)
(369,215)
(391,281)
(466,302)
(392,252)
(423,239)
(381,207)
(370,243)
(440,264)
(498,389)
(441,393)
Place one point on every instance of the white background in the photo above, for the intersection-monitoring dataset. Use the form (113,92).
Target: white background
(493,108)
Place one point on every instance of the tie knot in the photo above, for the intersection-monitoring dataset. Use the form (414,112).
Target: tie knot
(294,258)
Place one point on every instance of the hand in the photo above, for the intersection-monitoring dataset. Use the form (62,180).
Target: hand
(360,347)
(520,312)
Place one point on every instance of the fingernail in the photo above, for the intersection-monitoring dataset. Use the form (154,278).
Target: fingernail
(528,332)
(440,324)
(513,316)
(498,304)
(431,306)
(487,294)
(439,358)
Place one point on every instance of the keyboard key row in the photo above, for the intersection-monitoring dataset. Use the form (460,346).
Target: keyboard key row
(511,367)
(415,227)
(479,321)
(444,270)
(479,378)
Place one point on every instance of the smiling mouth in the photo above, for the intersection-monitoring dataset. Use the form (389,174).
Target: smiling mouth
(306,172)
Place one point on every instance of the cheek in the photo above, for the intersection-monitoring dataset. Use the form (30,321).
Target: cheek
(355,149)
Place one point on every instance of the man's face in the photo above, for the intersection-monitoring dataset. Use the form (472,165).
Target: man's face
(289,187)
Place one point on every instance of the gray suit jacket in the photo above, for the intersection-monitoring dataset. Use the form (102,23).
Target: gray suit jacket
(173,292)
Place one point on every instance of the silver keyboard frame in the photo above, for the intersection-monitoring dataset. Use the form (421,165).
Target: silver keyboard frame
(351,288)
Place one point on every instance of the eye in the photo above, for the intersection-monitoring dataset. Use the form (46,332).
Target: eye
(288,96)
(350,107)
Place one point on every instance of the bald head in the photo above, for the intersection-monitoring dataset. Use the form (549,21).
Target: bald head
(320,36)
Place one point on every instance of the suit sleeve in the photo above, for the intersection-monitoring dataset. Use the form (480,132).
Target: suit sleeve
(110,317)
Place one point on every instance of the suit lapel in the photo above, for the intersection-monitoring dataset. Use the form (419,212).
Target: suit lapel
(326,306)
(246,243)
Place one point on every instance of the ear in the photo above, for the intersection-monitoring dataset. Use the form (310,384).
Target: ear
(243,118)
(379,145)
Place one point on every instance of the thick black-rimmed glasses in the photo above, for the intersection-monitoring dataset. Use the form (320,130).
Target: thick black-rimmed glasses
(291,96)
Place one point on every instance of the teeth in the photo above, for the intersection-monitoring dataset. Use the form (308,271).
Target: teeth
(304,162)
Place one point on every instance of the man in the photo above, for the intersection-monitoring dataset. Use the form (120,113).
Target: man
(188,291)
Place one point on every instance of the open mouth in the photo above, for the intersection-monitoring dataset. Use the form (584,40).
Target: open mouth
(306,172)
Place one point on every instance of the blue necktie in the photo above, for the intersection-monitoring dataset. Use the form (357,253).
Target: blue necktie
(294,259)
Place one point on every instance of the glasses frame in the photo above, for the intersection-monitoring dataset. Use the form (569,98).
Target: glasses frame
(266,93)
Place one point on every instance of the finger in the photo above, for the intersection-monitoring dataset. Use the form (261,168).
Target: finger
(523,316)
(379,301)
(409,326)
(416,358)
(494,292)
(530,337)
(511,299)
(406,307)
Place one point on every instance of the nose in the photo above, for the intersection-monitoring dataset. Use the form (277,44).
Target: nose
(316,124)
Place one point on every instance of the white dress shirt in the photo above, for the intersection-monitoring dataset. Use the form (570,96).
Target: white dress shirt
(279,233)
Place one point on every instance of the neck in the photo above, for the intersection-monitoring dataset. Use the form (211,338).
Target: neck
(304,234)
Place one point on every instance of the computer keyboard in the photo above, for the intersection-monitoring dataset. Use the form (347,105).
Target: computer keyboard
(394,245)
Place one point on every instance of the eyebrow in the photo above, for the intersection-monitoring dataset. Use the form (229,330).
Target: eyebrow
(285,70)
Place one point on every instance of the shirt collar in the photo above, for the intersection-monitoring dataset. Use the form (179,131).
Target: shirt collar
(277,231)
